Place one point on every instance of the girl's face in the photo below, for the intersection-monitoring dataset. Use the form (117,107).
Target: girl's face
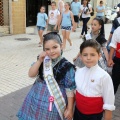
(84,1)
(90,56)
(67,6)
(101,4)
(95,26)
(42,9)
(53,49)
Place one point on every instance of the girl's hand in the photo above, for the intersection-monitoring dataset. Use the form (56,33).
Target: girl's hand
(68,114)
(75,58)
(58,27)
(88,13)
(42,56)
(73,29)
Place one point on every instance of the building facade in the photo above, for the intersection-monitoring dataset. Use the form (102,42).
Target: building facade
(16,15)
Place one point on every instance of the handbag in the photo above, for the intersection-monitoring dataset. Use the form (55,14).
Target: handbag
(80,17)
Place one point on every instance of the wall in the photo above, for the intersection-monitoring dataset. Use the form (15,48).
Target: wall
(112,3)
(18,19)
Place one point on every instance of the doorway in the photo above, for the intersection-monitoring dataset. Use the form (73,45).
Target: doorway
(32,8)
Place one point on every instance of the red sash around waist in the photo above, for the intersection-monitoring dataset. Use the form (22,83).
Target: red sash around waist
(118,48)
(89,105)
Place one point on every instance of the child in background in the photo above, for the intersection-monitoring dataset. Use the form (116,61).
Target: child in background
(61,6)
(94,87)
(114,59)
(52,95)
(66,18)
(41,23)
(53,18)
(98,35)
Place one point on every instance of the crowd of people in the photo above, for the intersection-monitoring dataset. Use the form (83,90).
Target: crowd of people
(86,89)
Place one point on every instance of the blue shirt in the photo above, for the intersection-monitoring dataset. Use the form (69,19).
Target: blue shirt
(41,19)
(75,7)
(66,19)
(100,8)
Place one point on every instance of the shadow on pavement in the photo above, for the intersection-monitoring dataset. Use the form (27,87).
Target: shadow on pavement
(10,104)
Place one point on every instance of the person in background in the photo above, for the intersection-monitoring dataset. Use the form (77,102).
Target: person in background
(114,60)
(97,34)
(115,25)
(86,9)
(53,18)
(67,20)
(75,8)
(100,10)
(42,19)
(61,6)
(89,2)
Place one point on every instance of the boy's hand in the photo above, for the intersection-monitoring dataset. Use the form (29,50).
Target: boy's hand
(68,114)
(110,63)
(119,50)
(42,56)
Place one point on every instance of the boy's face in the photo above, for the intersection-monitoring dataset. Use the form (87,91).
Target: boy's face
(90,57)
(53,6)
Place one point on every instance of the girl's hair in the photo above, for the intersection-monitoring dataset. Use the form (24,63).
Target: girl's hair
(101,2)
(101,22)
(83,0)
(90,43)
(53,3)
(69,5)
(43,7)
(52,36)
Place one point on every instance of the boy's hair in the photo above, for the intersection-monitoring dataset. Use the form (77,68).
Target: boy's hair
(101,22)
(53,2)
(90,43)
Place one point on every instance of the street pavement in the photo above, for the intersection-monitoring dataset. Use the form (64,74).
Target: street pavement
(16,57)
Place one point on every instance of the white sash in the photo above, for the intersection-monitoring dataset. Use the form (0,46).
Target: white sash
(53,87)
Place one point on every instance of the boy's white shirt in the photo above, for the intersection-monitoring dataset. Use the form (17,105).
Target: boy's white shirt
(53,19)
(115,38)
(95,82)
